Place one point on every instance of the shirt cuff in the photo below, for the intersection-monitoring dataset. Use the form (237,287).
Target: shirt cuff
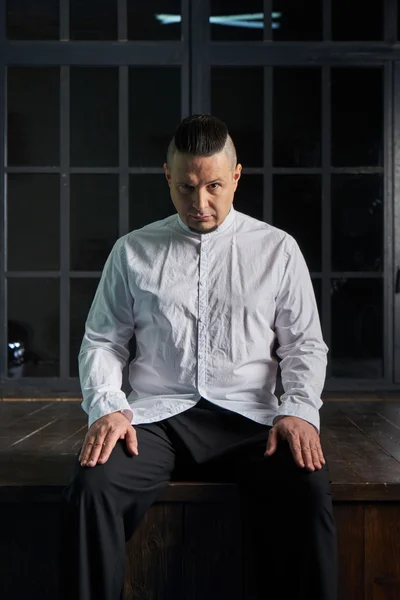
(108,404)
(307,413)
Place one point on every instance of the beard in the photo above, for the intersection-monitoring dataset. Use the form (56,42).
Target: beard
(195,230)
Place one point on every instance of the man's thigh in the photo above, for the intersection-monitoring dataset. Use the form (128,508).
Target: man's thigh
(124,474)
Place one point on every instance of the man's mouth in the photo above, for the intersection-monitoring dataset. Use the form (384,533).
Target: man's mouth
(201,217)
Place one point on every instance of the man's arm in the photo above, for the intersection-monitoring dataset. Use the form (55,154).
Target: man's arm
(301,346)
(104,350)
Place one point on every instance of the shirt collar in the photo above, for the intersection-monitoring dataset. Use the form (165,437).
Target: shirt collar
(224,225)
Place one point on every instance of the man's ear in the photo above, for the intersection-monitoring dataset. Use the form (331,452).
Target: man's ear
(167,174)
(237,173)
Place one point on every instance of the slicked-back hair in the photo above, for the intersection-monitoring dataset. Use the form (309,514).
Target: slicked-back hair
(201,135)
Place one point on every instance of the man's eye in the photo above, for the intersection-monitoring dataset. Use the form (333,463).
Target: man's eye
(214,186)
(185,187)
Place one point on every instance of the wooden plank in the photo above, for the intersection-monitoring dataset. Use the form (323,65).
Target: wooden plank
(212,557)
(390,412)
(349,520)
(371,462)
(339,468)
(373,425)
(382,552)
(154,556)
(19,432)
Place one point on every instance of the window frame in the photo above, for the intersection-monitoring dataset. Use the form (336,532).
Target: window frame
(196,54)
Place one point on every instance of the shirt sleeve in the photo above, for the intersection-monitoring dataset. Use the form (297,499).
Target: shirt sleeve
(104,350)
(301,345)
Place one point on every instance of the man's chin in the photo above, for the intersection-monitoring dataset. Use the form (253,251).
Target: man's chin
(203,228)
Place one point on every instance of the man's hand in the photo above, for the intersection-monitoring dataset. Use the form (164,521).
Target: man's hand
(102,437)
(303,439)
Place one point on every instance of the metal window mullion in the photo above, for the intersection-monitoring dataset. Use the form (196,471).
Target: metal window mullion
(64,19)
(85,274)
(327,20)
(390,21)
(123,100)
(267,33)
(3,226)
(122,20)
(326,210)
(396,216)
(93,53)
(200,56)
(64,221)
(388,268)
(33,274)
(268,146)
(186,97)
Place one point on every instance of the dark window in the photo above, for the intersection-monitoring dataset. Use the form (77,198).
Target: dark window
(38,20)
(243,112)
(33,105)
(297,210)
(357,117)
(297,117)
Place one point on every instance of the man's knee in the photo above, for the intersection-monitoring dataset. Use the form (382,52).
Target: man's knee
(90,481)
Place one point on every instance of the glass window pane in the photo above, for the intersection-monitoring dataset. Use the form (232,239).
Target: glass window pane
(244,112)
(297,21)
(357,328)
(94,220)
(357,117)
(33,210)
(149,200)
(82,292)
(154,20)
(318,295)
(28,20)
(93,20)
(357,20)
(94,117)
(297,117)
(357,223)
(237,20)
(153,117)
(33,136)
(34,322)
(249,195)
(297,210)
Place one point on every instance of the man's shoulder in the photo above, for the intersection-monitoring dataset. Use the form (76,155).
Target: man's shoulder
(153,229)
(247,223)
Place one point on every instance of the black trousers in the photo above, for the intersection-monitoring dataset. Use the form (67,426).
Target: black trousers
(287,509)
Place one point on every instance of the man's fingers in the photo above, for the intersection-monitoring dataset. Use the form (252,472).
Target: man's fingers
(315,457)
(87,449)
(107,447)
(295,447)
(90,458)
(307,454)
(131,440)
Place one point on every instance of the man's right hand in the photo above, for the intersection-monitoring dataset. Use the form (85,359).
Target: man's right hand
(102,437)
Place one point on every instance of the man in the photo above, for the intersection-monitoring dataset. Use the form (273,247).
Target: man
(206,292)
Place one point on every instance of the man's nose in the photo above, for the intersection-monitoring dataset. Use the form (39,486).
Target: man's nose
(200,200)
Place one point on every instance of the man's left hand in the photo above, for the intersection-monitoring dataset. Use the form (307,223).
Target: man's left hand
(303,439)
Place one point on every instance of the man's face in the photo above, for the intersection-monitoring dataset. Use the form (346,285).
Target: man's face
(202,188)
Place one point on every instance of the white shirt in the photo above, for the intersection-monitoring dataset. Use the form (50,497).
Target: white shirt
(205,309)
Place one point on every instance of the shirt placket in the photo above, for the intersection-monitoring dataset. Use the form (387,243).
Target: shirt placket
(203,315)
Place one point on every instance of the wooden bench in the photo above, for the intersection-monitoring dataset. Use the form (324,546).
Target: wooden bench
(192,532)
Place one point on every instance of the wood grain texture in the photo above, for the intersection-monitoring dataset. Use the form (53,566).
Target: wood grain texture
(212,552)
(349,520)
(382,551)
(361,442)
(155,555)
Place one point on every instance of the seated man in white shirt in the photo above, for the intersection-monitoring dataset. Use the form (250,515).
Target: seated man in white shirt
(206,293)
